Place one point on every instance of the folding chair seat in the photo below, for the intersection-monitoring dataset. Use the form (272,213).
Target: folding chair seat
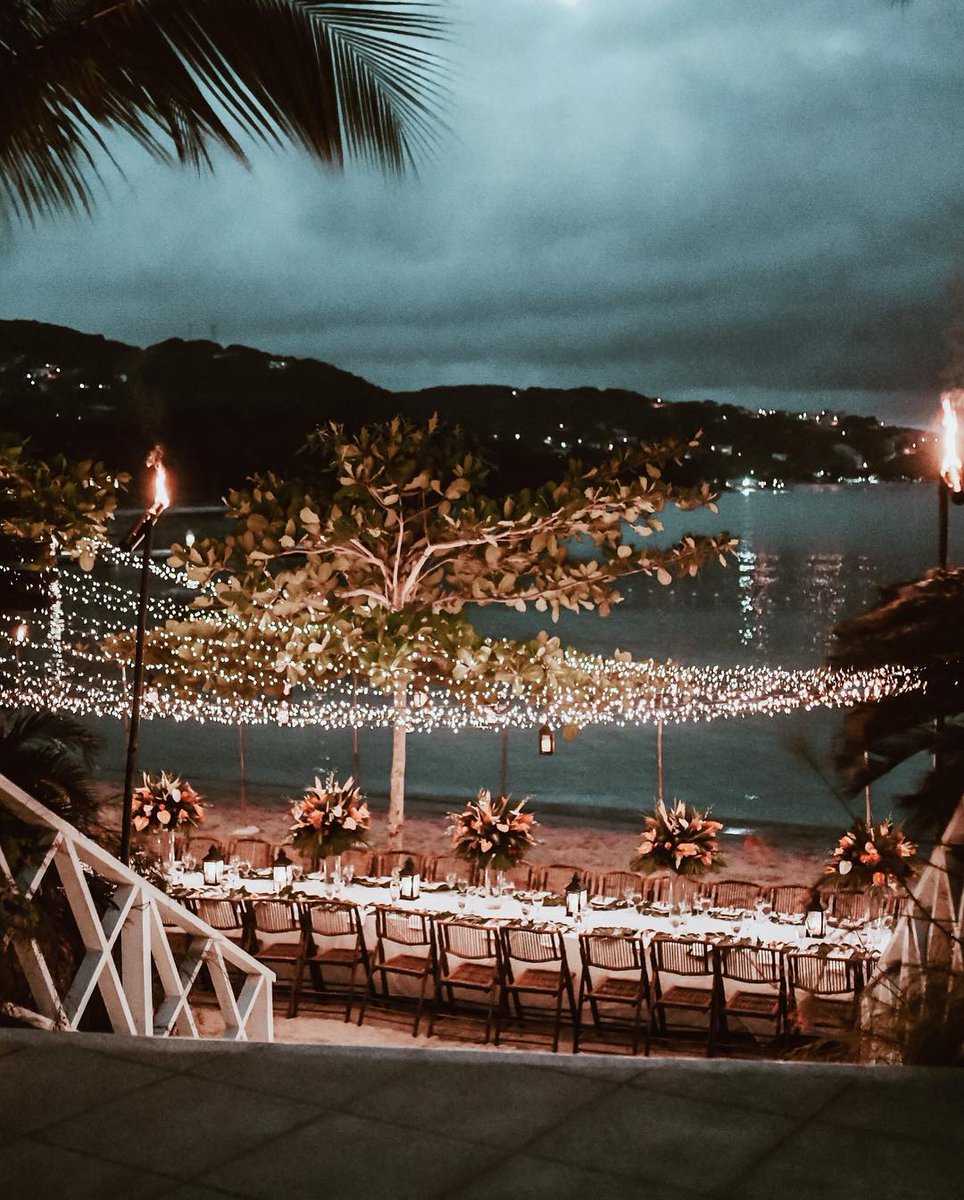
(684,958)
(625,982)
(824,995)
(280,919)
(469,959)
(416,960)
(735,893)
(760,965)
(544,972)
(339,923)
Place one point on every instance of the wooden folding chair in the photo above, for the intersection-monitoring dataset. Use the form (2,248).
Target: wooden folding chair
(759,965)
(395,927)
(555,877)
(618,883)
(385,861)
(230,917)
(790,899)
(277,918)
(470,959)
(625,982)
(849,906)
(340,922)
(735,893)
(684,958)
(545,972)
(252,850)
(831,987)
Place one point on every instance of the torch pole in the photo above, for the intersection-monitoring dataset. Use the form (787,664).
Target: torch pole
(138,687)
(942,496)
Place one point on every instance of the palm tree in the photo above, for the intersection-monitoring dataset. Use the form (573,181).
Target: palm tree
(916,624)
(339,78)
(50,756)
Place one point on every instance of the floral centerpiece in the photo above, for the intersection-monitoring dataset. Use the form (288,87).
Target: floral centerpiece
(868,855)
(678,839)
(329,819)
(163,803)
(492,833)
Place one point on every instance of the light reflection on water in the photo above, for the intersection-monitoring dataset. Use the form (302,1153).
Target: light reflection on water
(808,558)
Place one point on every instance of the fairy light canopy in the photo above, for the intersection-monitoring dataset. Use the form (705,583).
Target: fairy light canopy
(217,669)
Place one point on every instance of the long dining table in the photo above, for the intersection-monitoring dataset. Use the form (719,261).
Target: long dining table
(785,932)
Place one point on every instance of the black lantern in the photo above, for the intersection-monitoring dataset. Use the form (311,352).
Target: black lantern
(576,897)
(419,695)
(281,872)
(547,740)
(409,881)
(815,921)
(212,867)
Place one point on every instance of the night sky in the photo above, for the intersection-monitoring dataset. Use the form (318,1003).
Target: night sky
(758,201)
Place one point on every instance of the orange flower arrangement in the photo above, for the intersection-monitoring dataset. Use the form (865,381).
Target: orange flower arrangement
(868,855)
(492,834)
(329,819)
(678,839)
(164,803)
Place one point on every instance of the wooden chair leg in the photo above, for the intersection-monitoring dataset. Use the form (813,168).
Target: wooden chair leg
(419,1006)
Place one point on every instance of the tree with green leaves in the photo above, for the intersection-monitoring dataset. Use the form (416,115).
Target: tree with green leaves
(394,526)
(338,78)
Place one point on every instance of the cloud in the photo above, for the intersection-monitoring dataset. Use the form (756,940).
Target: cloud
(670,195)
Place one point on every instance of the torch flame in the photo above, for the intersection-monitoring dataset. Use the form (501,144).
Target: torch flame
(952,469)
(162,495)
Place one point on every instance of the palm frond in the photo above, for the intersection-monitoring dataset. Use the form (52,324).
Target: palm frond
(342,80)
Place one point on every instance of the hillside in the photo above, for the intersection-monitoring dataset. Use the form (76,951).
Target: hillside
(223,412)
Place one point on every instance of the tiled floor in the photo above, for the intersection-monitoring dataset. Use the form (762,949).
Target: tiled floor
(103,1116)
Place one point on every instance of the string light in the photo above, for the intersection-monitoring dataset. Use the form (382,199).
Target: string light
(272,676)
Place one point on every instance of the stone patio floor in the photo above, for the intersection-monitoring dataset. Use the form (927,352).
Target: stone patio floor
(103,1116)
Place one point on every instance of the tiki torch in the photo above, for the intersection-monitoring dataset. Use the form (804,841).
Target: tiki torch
(950,484)
(139,537)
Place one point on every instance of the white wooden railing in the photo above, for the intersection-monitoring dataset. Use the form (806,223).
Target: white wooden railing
(129,959)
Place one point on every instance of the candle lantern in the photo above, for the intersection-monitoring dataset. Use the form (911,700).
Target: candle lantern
(281,872)
(547,740)
(577,897)
(212,867)
(815,921)
(409,881)
(419,695)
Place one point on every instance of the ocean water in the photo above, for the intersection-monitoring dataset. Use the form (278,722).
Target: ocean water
(808,557)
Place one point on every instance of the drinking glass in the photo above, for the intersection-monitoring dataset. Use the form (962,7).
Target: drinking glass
(395,890)
(525,906)
(451,879)
(296,872)
(629,896)
(348,873)
(537,904)
(462,886)
(462,901)
(190,861)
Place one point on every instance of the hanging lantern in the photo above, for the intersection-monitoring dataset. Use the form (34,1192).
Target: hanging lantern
(577,897)
(419,695)
(212,867)
(20,633)
(547,740)
(409,881)
(281,872)
(815,921)
(283,715)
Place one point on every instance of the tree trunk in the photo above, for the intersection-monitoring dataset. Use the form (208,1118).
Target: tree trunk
(396,802)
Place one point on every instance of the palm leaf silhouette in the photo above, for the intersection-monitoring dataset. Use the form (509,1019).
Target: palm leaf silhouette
(359,79)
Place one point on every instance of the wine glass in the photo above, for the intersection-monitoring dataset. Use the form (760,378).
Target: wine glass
(462,886)
(395,889)
(629,895)
(297,870)
(347,873)
(451,879)
(190,861)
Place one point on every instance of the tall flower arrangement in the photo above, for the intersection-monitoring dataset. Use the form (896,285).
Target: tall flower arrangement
(678,839)
(164,802)
(869,854)
(329,819)
(492,833)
